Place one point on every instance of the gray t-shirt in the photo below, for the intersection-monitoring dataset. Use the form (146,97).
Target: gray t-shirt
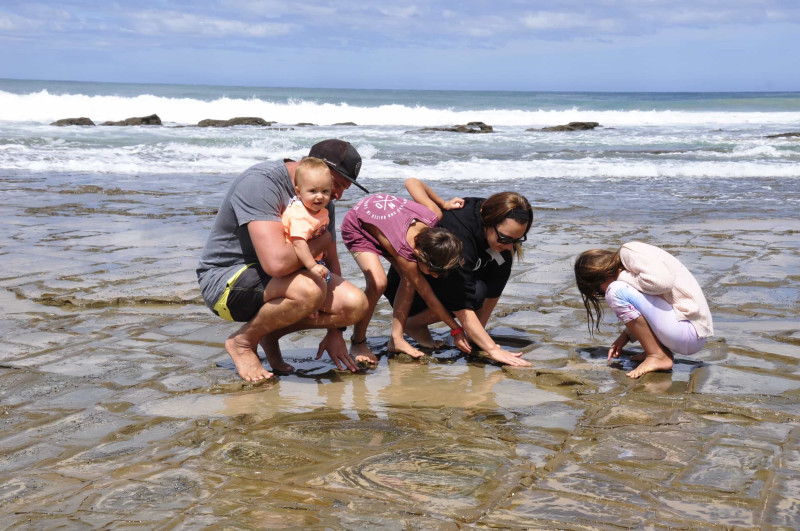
(261,193)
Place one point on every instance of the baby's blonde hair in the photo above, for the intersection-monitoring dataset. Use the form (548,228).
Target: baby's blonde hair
(307,166)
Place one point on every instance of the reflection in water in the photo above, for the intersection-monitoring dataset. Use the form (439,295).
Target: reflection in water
(435,385)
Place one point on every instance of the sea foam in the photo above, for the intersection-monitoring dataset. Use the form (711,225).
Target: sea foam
(44,107)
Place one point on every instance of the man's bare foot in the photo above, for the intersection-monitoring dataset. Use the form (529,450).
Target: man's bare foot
(422,335)
(246,360)
(652,363)
(404,347)
(361,352)
(274,356)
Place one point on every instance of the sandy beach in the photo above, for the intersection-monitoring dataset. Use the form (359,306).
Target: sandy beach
(120,407)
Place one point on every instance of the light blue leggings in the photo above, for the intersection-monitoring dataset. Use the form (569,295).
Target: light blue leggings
(628,304)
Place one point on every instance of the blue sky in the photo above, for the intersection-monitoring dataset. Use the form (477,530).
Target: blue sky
(591,45)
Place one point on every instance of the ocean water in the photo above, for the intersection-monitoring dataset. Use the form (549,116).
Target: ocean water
(642,135)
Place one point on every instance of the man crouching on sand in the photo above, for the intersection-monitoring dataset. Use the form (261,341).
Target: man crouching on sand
(250,273)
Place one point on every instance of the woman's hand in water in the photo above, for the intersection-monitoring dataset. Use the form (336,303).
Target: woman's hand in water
(461,342)
(508,358)
(616,347)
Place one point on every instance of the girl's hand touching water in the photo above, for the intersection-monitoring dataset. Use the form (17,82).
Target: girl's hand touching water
(616,347)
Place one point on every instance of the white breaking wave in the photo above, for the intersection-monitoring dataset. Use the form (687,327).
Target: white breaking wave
(43,107)
(478,170)
(134,161)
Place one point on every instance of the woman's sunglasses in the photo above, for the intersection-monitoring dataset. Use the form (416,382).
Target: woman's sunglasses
(502,238)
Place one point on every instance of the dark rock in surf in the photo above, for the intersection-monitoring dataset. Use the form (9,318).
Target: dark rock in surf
(246,120)
(73,121)
(346,123)
(153,119)
(572,126)
(784,135)
(471,127)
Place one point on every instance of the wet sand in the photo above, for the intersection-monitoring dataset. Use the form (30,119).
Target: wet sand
(120,407)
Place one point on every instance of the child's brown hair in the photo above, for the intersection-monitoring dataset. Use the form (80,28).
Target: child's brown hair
(593,268)
(438,248)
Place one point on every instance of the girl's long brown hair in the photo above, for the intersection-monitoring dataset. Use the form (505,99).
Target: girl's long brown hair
(500,206)
(592,269)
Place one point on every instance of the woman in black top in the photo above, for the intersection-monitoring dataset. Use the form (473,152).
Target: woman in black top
(491,231)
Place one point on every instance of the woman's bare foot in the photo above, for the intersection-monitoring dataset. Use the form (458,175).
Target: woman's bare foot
(404,347)
(360,351)
(246,360)
(652,363)
(274,356)
(422,335)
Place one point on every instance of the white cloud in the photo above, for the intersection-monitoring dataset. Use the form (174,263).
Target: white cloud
(262,8)
(399,12)
(175,23)
(599,18)
(7,24)
(359,25)
(553,21)
(17,24)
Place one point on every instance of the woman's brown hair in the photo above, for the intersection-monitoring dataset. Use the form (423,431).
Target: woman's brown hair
(593,268)
(506,205)
(439,248)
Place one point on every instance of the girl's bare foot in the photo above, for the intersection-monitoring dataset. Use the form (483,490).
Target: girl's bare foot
(246,360)
(274,356)
(360,351)
(652,363)
(422,335)
(404,347)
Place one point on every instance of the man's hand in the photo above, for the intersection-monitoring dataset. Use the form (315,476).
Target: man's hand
(334,344)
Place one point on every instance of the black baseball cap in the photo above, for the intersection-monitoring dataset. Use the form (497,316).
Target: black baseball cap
(341,157)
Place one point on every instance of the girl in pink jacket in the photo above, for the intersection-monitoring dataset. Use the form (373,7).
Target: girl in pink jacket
(653,294)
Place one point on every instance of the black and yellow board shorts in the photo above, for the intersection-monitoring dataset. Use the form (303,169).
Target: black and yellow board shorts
(243,295)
